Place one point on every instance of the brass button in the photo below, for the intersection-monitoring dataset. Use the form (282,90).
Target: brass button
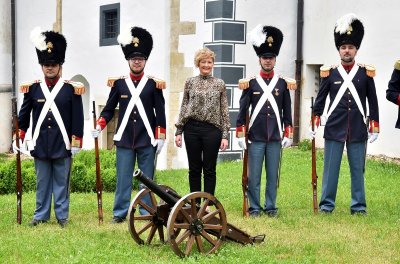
(349,101)
(349,108)
(134,120)
(49,127)
(49,118)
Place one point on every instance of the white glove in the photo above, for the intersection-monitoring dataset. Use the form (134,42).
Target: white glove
(14,146)
(311,133)
(242,143)
(75,150)
(287,142)
(372,137)
(160,144)
(96,132)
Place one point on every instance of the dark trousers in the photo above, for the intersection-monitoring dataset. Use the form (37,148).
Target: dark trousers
(202,142)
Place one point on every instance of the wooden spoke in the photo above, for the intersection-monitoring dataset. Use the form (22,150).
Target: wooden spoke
(161,233)
(203,208)
(147,208)
(208,238)
(189,245)
(187,216)
(183,237)
(151,235)
(142,217)
(199,243)
(209,216)
(182,225)
(145,227)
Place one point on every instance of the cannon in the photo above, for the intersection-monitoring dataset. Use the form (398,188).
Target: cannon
(196,218)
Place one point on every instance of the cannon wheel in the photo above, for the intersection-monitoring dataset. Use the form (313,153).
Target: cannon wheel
(203,223)
(143,228)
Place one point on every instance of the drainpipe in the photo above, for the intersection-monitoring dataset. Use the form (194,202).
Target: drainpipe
(298,75)
(14,87)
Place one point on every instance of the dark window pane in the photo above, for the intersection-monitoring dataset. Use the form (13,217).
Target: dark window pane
(110,24)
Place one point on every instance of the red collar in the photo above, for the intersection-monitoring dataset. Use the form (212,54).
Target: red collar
(348,68)
(266,75)
(52,82)
(136,77)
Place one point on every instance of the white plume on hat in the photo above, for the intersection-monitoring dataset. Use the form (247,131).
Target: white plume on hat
(343,23)
(257,36)
(38,39)
(125,37)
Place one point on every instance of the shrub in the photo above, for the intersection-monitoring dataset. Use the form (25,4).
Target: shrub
(305,145)
(83,174)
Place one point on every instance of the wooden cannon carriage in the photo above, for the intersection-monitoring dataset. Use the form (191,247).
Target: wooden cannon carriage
(196,218)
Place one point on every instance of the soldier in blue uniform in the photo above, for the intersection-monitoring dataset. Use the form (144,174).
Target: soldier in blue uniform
(57,126)
(393,92)
(141,125)
(269,97)
(349,86)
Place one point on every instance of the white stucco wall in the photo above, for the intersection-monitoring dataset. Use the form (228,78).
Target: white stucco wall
(5,75)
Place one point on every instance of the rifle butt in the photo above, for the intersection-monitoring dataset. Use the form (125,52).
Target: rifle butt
(99,184)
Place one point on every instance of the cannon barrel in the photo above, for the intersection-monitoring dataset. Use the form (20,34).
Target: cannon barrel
(168,198)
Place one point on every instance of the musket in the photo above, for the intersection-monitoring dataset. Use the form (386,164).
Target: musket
(18,162)
(99,185)
(314,176)
(366,145)
(278,177)
(245,172)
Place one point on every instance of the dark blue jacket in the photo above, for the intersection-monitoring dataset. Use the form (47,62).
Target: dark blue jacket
(393,92)
(50,143)
(265,127)
(135,134)
(346,122)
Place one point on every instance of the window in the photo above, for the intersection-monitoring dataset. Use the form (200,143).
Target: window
(109,24)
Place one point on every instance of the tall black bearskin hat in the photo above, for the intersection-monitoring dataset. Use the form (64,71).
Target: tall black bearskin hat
(266,40)
(135,41)
(50,46)
(348,30)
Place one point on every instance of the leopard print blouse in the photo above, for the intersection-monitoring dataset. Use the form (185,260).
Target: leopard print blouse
(204,99)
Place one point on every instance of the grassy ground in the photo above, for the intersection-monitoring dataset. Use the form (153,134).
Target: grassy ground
(296,236)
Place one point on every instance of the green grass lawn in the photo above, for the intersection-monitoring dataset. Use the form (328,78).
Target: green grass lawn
(296,236)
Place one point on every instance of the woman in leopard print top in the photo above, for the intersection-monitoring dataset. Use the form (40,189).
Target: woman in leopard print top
(204,122)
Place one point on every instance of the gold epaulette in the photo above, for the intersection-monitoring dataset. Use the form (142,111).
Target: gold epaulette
(291,83)
(160,84)
(370,69)
(24,87)
(111,80)
(245,83)
(325,70)
(79,88)
(397,65)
